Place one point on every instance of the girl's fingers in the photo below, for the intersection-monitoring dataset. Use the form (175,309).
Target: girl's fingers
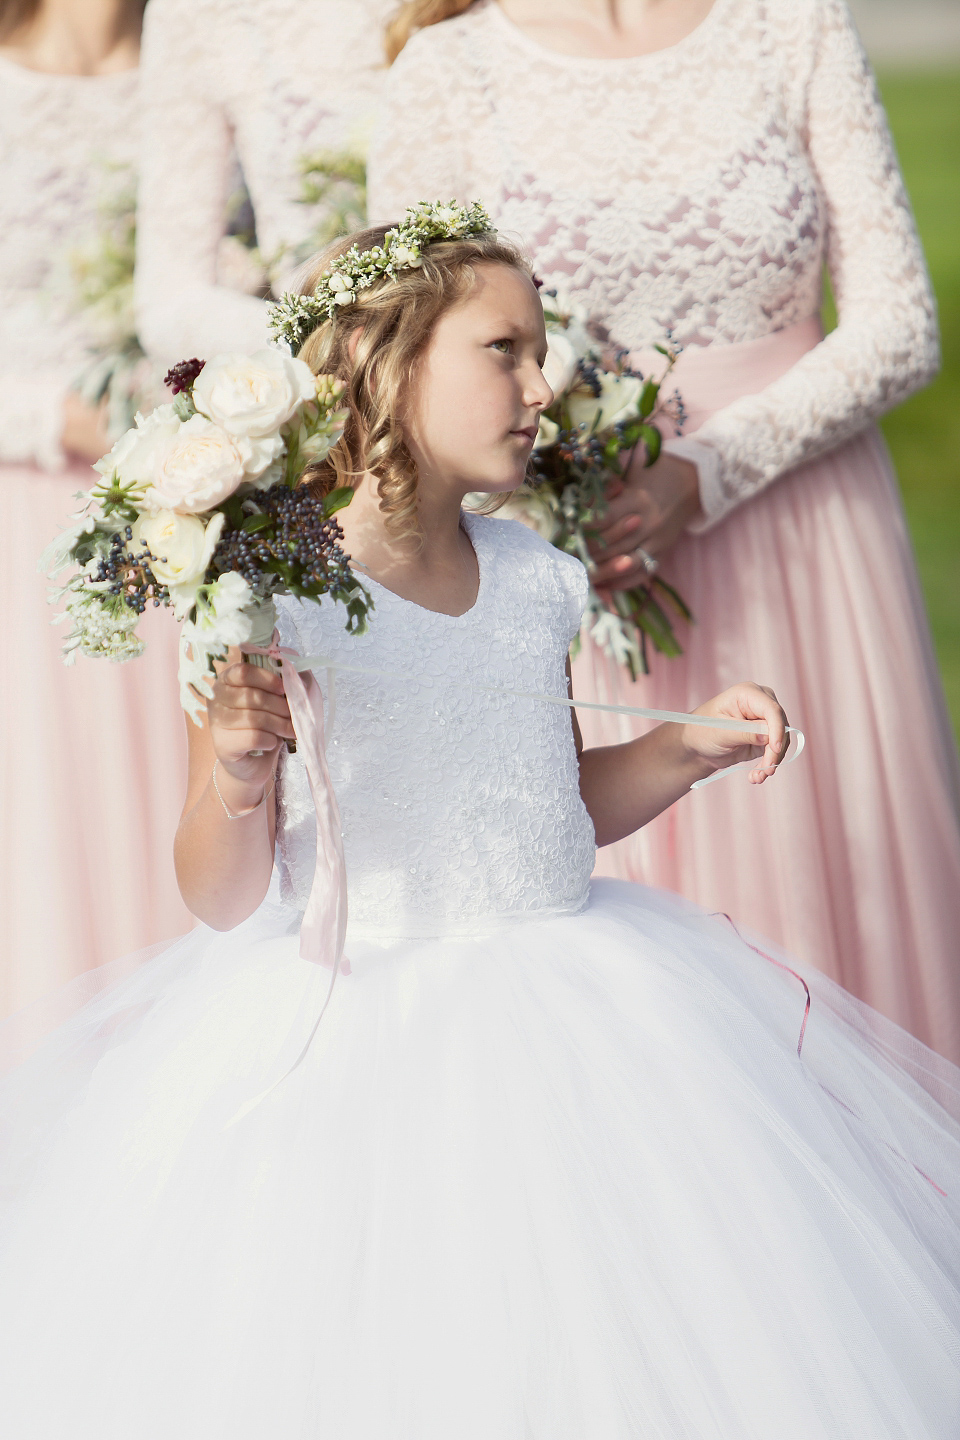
(238,674)
(246,698)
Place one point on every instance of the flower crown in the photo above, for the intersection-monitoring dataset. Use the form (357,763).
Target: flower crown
(294,317)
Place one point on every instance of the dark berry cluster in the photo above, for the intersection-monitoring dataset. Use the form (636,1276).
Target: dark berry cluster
(183,376)
(291,538)
(129,574)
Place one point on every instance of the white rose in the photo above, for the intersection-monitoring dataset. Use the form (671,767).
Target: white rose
(338,282)
(184,547)
(548,433)
(252,396)
(616,402)
(560,366)
(136,454)
(199,468)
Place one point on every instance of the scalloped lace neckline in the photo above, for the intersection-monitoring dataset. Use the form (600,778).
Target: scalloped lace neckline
(590,62)
(470,528)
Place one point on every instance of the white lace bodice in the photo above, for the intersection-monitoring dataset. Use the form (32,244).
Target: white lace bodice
(267,81)
(458,807)
(62,138)
(699,191)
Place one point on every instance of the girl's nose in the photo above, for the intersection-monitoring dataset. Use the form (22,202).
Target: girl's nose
(538,395)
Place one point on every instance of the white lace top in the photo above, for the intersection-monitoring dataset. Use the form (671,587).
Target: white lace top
(458,807)
(60,138)
(267,81)
(698,190)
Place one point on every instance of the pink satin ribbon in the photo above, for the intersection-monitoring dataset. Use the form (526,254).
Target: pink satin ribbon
(324,927)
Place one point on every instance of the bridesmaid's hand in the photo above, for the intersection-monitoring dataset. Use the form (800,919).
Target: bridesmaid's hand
(248,711)
(721,748)
(84,432)
(649,508)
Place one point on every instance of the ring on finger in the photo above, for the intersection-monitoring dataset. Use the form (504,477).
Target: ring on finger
(648,562)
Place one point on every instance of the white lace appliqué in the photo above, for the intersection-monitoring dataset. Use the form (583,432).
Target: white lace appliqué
(696,191)
(458,807)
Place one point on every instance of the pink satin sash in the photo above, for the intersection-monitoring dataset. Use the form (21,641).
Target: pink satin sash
(709,377)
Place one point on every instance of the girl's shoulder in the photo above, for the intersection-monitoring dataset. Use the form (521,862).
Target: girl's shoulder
(520,564)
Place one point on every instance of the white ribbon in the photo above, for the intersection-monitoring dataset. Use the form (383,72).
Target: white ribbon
(670,717)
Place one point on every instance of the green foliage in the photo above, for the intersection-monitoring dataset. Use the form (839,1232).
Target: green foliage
(924,434)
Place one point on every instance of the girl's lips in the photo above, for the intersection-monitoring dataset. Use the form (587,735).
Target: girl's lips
(530,434)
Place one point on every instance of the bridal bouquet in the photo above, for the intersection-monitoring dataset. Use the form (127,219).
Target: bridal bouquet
(199,509)
(602,411)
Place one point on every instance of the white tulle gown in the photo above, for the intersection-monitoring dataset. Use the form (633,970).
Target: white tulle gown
(551,1168)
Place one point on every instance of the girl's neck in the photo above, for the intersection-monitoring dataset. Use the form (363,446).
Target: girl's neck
(436,570)
(78,37)
(606,29)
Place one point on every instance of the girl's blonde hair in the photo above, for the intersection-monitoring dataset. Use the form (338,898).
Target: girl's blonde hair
(417,15)
(376,346)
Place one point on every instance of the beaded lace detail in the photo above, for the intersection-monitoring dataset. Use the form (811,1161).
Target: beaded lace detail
(698,190)
(62,139)
(460,809)
(263,81)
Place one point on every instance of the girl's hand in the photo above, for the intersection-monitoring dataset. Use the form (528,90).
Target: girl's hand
(650,508)
(248,711)
(721,748)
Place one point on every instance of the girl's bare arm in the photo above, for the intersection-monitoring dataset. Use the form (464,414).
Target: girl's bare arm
(224,865)
(625,786)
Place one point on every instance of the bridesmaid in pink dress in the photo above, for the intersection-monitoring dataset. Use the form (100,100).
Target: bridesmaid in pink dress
(690,167)
(92,762)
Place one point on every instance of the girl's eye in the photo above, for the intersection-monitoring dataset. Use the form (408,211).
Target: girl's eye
(504,347)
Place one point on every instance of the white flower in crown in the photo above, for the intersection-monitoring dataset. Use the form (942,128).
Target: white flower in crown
(253,395)
(294,317)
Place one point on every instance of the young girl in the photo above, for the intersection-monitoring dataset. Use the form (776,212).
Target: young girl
(550,1167)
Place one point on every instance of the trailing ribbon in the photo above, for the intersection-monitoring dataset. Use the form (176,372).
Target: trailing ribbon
(324,925)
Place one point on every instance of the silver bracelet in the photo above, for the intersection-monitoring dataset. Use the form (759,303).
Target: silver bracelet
(241,813)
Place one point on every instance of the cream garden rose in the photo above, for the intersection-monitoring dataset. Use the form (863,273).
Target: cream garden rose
(560,366)
(200,466)
(137,453)
(617,401)
(253,396)
(183,548)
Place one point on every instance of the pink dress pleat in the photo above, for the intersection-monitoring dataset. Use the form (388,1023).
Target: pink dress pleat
(850,859)
(93,771)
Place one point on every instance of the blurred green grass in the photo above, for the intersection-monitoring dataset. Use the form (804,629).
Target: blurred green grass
(924,434)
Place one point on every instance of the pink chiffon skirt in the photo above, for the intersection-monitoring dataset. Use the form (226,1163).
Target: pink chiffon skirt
(850,858)
(92,774)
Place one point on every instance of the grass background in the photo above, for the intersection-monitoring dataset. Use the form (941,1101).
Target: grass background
(924,434)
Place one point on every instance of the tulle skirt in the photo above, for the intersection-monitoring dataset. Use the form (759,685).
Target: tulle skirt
(566,1179)
(92,770)
(851,858)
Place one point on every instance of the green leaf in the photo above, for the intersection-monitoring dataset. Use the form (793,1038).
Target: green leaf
(253,523)
(648,397)
(650,436)
(338,499)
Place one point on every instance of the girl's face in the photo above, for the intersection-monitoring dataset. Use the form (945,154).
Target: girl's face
(481,388)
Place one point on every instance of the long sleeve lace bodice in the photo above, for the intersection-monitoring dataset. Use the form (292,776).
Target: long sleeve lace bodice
(62,140)
(698,190)
(268,81)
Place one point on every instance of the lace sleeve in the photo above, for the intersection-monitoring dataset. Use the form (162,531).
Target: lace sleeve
(421,149)
(186,167)
(885,345)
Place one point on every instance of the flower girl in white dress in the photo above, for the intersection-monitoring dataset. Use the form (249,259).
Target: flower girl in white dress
(551,1166)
